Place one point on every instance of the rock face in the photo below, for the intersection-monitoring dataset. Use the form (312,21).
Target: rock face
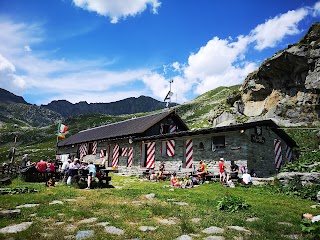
(287,86)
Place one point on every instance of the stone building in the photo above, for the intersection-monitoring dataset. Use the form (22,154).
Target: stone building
(144,142)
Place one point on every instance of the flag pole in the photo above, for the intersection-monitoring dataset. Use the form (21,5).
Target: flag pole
(57,141)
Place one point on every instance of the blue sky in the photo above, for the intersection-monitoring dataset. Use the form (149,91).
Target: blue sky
(108,50)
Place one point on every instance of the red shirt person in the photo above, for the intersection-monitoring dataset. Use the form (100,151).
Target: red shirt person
(41,166)
(222,170)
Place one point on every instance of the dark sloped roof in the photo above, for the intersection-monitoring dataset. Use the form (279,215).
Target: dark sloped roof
(271,124)
(128,127)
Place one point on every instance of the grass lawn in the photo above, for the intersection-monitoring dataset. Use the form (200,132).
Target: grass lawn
(126,207)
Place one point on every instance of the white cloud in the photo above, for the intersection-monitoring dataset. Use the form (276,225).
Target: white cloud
(8,80)
(27,48)
(116,9)
(6,65)
(273,31)
(221,62)
(316,9)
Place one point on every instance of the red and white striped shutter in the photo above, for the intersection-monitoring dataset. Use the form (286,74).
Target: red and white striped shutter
(101,153)
(83,150)
(170,148)
(289,153)
(130,156)
(151,149)
(115,156)
(189,153)
(171,143)
(94,147)
(173,128)
(277,153)
(124,152)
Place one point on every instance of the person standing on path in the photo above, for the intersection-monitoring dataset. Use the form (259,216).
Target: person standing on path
(92,173)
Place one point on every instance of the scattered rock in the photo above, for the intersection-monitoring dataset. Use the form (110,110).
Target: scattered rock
(315,206)
(150,196)
(184,237)
(147,228)
(56,202)
(114,230)
(33,215)
(167,221)
(213,230)
(238,228)
(28,205)
(16,228)
(103,224)
(214,238)
(10,212)
(88,220)
(59,223)
(252,219)
(318,196)
(84,234)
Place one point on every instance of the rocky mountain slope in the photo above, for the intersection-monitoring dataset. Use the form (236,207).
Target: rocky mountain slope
(6,96)
(285,88)
(125,106)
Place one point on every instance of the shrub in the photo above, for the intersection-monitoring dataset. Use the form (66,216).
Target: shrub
(312,229)
(232,204)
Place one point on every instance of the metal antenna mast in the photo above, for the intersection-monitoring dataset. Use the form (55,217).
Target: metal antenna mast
(167,99)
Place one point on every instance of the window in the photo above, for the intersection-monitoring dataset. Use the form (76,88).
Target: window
(90,148)
(201,146)
(218,142)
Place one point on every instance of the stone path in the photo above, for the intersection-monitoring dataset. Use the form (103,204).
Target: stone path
(117,231)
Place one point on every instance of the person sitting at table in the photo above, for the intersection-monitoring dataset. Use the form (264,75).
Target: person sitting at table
(202,171)
(50,166)
(234,170)
(41,166)
(73,167)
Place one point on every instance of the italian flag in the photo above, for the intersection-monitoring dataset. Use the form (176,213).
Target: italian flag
(62,128)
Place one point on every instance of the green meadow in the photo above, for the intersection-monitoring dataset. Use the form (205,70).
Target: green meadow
(172,213)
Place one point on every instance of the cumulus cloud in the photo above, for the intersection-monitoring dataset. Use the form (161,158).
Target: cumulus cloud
(316,9)
(8,79)
(222,62)
(271,32)
(116,9)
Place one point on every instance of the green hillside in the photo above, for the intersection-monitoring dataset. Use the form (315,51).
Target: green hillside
(197,112)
